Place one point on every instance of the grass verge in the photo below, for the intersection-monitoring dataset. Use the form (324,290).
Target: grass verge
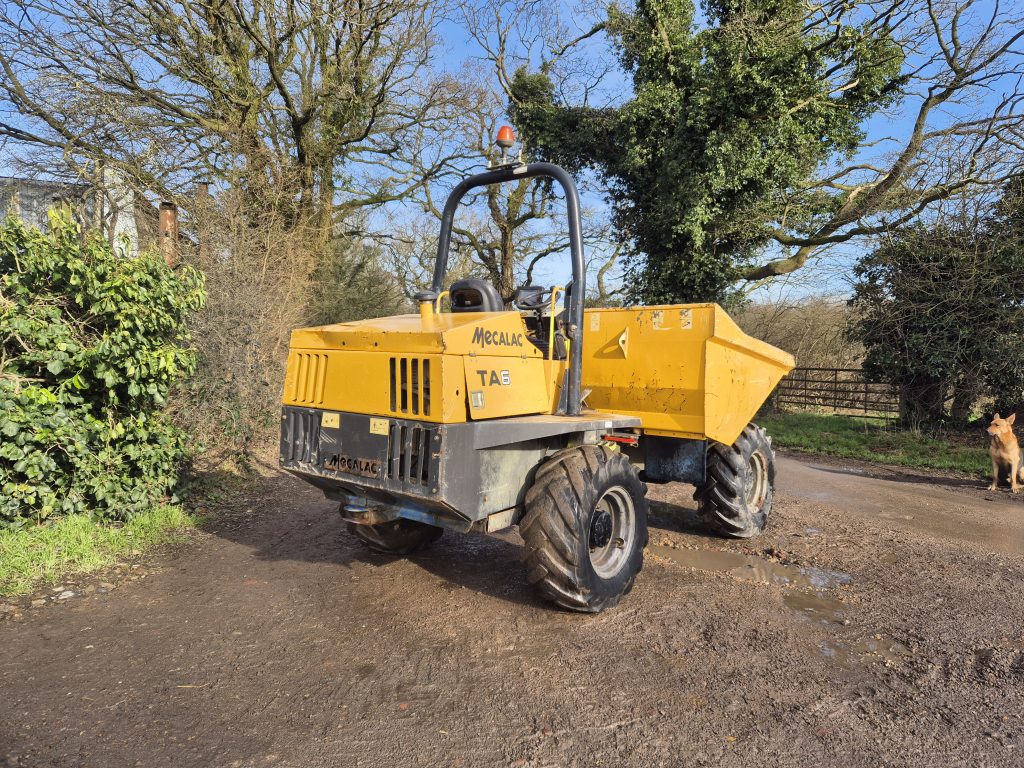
(867,439)
(78,544)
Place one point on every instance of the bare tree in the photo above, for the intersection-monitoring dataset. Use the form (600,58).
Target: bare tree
(508,230)
(305,96)
(410,247)
(961,95)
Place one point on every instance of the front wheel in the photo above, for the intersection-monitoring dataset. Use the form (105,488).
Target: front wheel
(585,528)
(396,537)
(736,497)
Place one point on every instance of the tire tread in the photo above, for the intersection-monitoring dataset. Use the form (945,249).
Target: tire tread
(551,526)
(720,501)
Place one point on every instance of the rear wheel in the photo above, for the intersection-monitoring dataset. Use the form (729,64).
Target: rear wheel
(736,498)
(396,537)
(585,528)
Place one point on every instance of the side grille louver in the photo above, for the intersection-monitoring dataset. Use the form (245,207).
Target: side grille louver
(406,460)
(409,454)
(410,385)
(300,438)
(310,378)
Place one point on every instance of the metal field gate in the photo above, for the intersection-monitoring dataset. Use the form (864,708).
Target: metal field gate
(836,390)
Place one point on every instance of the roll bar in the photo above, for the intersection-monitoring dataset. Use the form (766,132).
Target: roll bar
(572,201)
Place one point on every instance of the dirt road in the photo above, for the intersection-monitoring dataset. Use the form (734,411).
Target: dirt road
(878,623)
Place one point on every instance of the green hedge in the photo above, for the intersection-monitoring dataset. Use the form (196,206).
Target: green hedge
(91,344)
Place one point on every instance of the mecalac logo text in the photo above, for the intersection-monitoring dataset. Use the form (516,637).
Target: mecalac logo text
(497,338)
(353,465)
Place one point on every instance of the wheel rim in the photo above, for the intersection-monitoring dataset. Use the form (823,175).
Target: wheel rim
(612,528)
(756,486)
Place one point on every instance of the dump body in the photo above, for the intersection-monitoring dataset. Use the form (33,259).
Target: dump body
(686,371)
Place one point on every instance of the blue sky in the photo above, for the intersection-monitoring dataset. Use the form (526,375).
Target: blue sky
(456,47)
(832,274)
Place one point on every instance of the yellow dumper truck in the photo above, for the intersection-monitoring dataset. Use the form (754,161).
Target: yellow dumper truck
(548,416)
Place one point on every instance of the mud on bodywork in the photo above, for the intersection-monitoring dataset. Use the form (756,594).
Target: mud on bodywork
(446,474)
(384,461)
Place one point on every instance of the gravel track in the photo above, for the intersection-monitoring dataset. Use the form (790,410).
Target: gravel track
(877,623)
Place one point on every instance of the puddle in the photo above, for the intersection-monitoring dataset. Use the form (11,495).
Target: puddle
(808,599)
(825,610)
(753,568)
(806,533)
(814,605)
(839,470)
(849,655)
(893,516)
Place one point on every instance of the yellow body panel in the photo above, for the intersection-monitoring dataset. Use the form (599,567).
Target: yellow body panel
(684,370)
(503,386)
(410,367)
(492,333)
(378,383)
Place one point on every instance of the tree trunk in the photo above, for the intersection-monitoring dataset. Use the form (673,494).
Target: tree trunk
(922,402)
(507,284)
(968,390)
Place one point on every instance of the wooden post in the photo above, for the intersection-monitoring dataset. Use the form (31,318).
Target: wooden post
(169,232)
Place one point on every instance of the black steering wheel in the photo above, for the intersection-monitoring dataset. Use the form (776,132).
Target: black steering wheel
(531,298)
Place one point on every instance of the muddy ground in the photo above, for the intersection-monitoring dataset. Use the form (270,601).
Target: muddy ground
(878,623)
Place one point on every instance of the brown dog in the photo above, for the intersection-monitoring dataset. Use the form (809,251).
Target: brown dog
(1005,451)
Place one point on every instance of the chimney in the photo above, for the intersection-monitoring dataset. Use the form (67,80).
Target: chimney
(169,232)
(202,214)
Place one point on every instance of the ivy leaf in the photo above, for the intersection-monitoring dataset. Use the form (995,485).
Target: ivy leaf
(75,443)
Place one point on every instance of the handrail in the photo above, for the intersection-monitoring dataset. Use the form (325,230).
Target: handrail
(551,320)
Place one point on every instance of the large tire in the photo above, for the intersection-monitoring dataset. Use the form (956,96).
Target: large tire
(396,537)
(585,528)
(736,498)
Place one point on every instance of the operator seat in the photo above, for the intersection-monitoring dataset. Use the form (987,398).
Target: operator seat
(474,295)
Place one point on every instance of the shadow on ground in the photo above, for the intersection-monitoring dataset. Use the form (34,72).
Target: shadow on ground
(897,476)
(284,519)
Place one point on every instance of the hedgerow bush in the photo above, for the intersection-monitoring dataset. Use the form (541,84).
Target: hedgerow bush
(91,344)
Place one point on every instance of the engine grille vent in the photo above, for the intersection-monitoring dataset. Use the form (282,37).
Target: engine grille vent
(409,454)
(310,378)
(300,436)
(410,385)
